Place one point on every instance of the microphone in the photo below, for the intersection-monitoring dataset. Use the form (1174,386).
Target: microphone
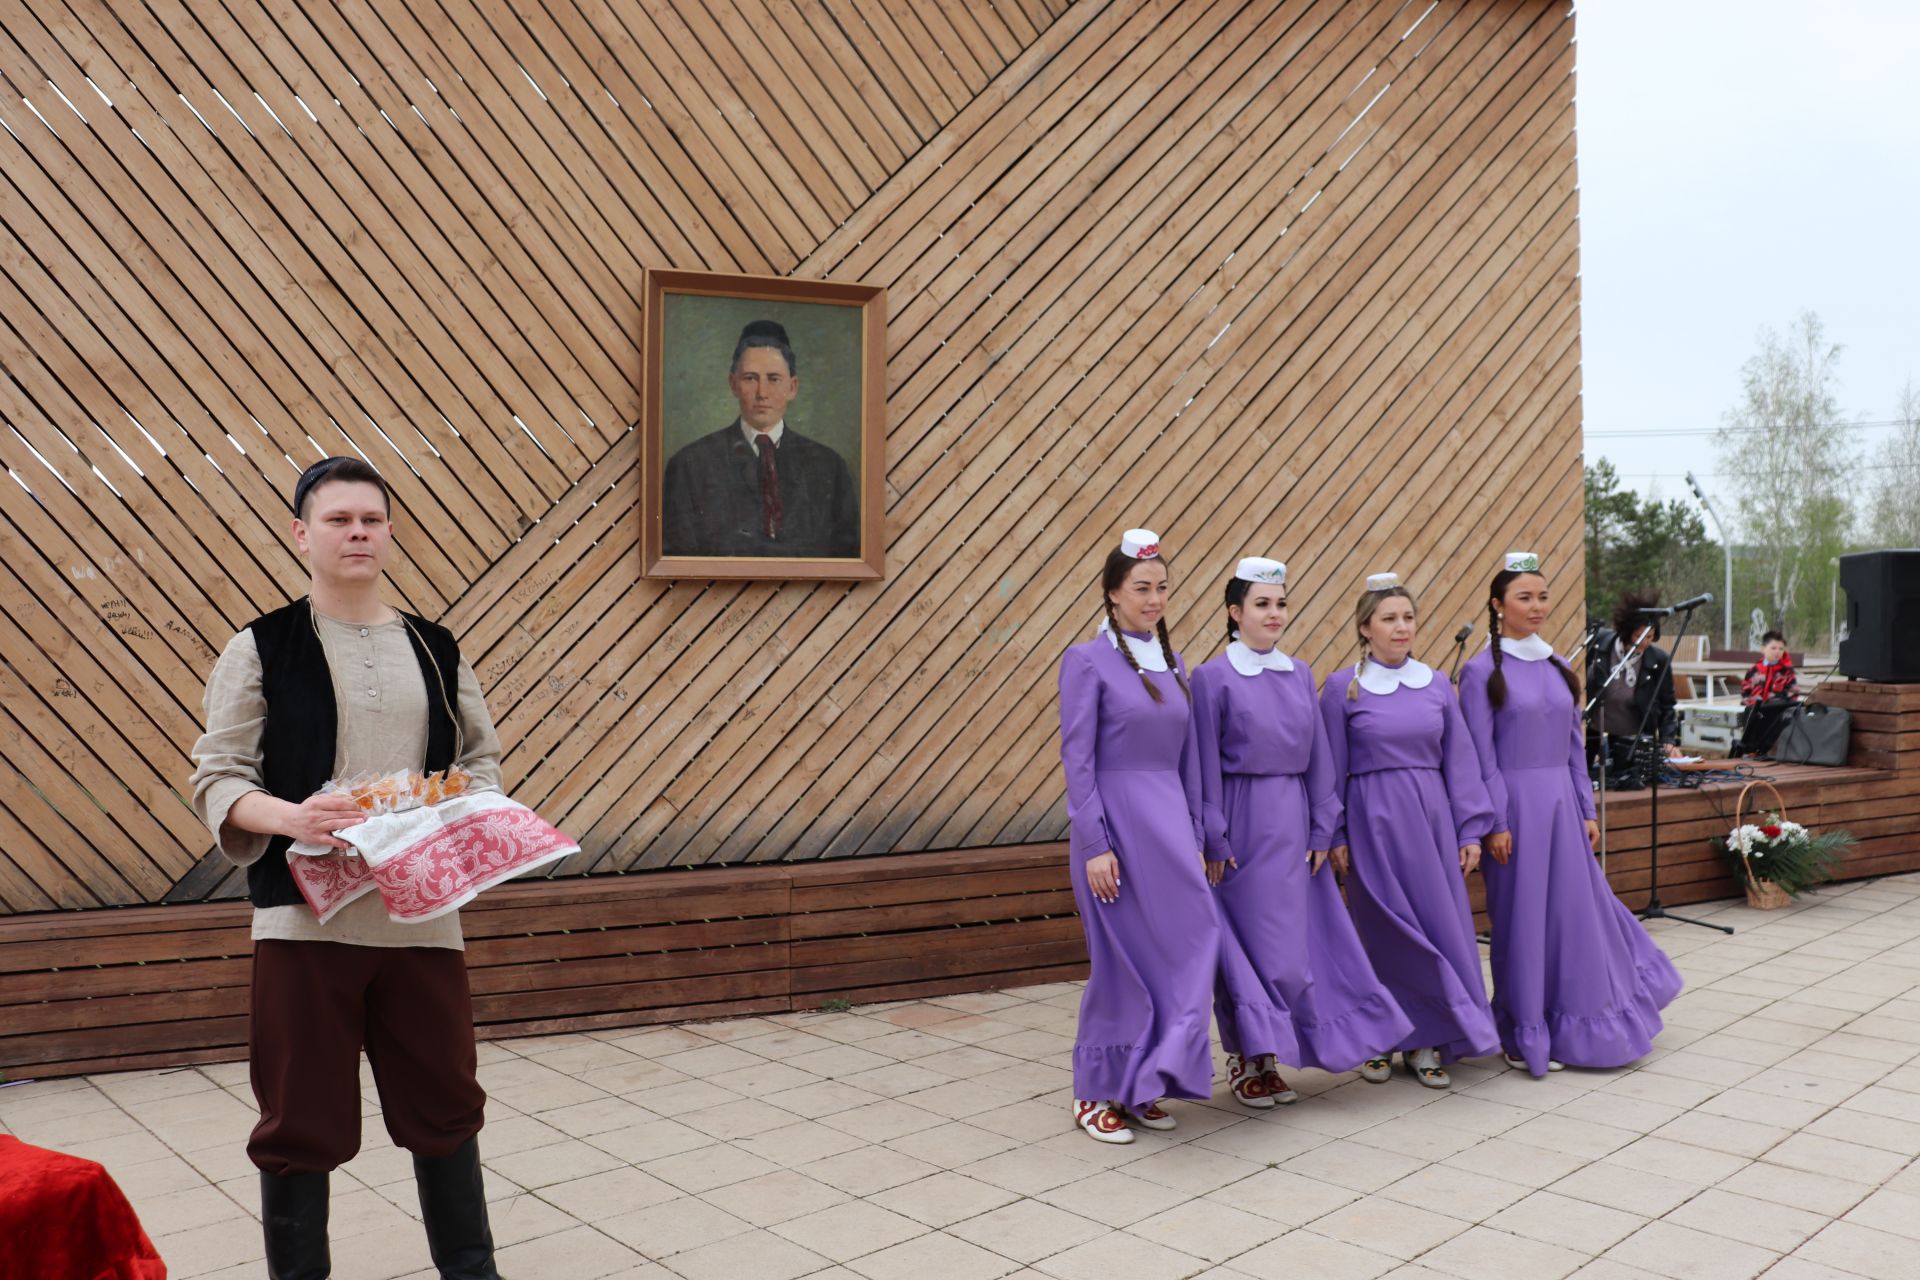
(1705,597)
(1459,648)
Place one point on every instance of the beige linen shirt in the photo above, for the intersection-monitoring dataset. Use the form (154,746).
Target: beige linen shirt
(381,695)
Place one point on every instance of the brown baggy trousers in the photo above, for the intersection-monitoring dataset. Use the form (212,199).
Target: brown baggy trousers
(315,1006)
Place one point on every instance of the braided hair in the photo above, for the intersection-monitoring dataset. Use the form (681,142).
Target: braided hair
(1363,610)
(1497,682)
(1237,588)
(1113,576)
(1166,651)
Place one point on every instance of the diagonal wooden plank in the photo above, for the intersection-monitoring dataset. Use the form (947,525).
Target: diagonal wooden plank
(1128,248)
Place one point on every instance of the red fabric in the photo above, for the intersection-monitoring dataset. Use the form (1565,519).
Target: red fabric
(1764,682)
(771,514)
(62,1217)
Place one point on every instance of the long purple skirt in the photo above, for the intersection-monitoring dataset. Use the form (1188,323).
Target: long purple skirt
(1143,1016)
(1575,976)
(1410,906)
(1315,1001)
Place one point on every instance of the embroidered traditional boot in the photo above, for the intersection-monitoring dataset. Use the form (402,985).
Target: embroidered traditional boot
(1102,1121)
(453,1204)
(293,1215)
(1277,1087)
(1425,1065)
(1248,1085)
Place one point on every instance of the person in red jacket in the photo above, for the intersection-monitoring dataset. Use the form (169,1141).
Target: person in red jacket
(1770,687)
(1772,678)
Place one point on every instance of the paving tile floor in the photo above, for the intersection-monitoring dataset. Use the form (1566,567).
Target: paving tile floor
(1774,1130)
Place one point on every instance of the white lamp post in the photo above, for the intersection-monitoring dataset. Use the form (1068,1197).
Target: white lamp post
(1833,607)
(1726,548)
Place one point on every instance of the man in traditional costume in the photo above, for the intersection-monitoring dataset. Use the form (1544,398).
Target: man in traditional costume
(333,685)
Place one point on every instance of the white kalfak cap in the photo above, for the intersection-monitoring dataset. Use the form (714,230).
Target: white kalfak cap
(1522,562)
(1382,581)
(1261,569)
(1141,544)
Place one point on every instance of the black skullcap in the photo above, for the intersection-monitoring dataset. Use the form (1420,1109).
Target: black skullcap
(313,475)
(769,329)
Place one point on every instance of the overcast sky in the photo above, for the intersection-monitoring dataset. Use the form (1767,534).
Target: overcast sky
(1741,163)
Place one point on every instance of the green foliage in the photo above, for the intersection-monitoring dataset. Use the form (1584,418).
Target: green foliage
(1795,859)
(836,1005)
(1636,543)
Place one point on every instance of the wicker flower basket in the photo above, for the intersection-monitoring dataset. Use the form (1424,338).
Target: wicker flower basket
(1762,895)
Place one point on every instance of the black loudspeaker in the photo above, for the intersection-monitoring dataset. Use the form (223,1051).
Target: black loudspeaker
(1883,615)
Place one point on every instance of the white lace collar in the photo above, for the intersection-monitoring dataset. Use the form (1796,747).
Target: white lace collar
(1251,662)
(1375,678)
(1146,653)
(1532,649)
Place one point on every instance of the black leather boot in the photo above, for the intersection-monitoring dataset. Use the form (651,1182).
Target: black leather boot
(453,1205)
(293,1214)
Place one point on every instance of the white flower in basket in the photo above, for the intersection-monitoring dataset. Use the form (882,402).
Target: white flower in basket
(1778,858)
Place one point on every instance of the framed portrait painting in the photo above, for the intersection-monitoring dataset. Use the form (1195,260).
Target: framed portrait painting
(762,427)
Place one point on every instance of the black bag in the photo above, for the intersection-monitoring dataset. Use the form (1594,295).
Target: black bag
(1814,734)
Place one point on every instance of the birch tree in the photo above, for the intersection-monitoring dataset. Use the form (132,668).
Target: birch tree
(1790,457)
(1894,519)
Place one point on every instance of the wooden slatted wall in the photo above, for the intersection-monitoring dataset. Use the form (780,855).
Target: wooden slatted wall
(1283,276)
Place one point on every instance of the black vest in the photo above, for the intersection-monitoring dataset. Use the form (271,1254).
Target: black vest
(298,744)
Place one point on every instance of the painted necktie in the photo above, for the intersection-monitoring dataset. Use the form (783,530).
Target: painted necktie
(770,513)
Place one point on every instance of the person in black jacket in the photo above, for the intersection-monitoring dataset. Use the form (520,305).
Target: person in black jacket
(1642,694)
(757,487)
(336,684)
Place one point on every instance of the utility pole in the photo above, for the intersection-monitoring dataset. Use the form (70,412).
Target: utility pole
(1726,549)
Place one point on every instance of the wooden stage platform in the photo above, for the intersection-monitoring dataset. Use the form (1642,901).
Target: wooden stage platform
(152,986)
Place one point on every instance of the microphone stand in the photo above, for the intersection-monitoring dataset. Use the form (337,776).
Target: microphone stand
(1653,910)
(1574,660)
(1594,626)
(1459,652)
(1596,721)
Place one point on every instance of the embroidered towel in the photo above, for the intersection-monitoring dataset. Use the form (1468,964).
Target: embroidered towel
(429,860)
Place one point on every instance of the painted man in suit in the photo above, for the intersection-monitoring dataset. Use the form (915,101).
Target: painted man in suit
(757,487)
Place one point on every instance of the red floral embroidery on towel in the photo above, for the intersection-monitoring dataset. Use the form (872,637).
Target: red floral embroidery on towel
(330,883)
(466,856)
(439,871)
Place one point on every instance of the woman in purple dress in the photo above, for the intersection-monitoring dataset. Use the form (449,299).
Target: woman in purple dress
(1416,811)
(1576,979)
(1139,878)
(1270,809)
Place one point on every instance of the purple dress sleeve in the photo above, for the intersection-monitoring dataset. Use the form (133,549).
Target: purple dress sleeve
(1079,729)
(1190,770)
(1476,708)
(1466,790)
(1333,723)
(1577,766)
(1208,694)
(1326,823)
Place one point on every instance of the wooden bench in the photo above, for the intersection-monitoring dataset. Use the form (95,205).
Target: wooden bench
(163,986)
